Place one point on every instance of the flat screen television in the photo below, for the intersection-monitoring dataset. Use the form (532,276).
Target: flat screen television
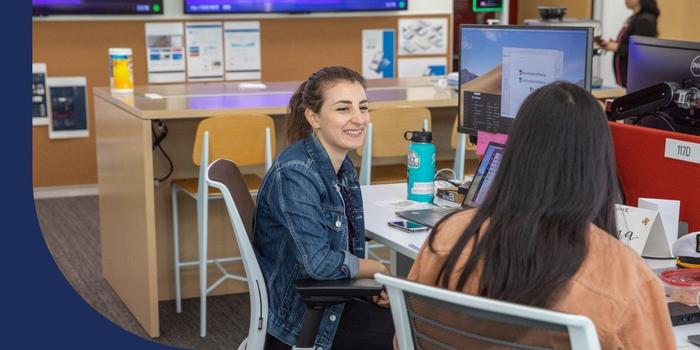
(96,7)
(290,6)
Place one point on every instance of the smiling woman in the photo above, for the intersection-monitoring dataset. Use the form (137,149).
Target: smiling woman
(309,221)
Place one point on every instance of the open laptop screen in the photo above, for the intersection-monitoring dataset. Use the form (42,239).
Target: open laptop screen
(484,175)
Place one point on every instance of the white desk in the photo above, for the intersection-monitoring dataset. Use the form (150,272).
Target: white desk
(376,228)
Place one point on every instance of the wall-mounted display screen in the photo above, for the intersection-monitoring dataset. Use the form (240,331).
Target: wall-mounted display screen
(487,5)
(96,7)
(290,6)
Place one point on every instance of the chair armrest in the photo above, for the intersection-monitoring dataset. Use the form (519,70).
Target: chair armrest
(309,288)
(318,295)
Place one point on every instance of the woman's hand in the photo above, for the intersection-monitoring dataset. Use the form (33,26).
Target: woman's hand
(382,299)
(369,267)
(608,45)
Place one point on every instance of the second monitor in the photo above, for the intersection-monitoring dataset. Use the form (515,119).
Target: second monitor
(501,65)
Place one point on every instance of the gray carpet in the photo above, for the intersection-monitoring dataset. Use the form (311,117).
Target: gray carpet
(71,230)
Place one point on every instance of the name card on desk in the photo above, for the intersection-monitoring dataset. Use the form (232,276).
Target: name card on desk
(666,230)
(634,226)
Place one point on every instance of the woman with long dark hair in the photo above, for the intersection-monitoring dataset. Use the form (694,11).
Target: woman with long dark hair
(545,234)
(309,221)
(642,22)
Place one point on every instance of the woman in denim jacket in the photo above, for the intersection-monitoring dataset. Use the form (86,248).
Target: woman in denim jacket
(309,221)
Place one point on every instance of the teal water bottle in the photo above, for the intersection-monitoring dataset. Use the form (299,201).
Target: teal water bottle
(421,166)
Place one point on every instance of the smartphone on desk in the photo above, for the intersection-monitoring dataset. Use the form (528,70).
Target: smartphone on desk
(407,226)
(694,339)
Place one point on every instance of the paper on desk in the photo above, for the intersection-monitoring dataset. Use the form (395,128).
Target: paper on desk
(403,204)
(483,138)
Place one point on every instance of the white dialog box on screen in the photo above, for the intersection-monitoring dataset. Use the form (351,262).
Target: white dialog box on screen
(524,71)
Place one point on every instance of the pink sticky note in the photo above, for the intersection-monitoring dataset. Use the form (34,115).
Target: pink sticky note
(483,139)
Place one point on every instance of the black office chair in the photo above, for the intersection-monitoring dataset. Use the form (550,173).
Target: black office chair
(224,175)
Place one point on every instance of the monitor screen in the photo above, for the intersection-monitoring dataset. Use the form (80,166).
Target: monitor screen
(104,7)
(290,6)
(501,65)
(485,174)
(652,61)
(487,5)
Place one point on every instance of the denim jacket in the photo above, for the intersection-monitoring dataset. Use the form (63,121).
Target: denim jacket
(302,231)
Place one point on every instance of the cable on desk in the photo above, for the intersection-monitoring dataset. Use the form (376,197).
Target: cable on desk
(158,137)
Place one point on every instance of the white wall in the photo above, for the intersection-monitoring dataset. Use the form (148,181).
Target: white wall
(612,14)
(173,11)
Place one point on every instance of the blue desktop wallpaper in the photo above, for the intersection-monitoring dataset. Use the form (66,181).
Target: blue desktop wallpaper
(481,48)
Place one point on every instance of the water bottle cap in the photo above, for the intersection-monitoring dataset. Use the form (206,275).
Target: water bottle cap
(419,136)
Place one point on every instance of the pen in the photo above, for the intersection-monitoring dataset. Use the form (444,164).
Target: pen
(413,246)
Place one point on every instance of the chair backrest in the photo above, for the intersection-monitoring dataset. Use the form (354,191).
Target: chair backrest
(224,175)
(388,126)
(427,317)
(241,137)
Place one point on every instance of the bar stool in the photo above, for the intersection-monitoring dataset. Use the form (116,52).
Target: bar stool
(248,139)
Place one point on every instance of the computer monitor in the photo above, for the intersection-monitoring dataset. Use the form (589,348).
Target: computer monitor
(501,65)
(652,61)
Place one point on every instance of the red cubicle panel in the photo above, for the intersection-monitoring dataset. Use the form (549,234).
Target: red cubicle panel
(646,172)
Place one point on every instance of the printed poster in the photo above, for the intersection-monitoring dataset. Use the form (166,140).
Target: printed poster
(422,67)
(68,118)
(423,36)
(242,50)
(165,52)
(378,54)
(40,95)
(205,54)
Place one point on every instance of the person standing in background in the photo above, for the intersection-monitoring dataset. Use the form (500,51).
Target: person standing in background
(642,22)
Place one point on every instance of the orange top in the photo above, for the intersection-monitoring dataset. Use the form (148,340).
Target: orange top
(613,287)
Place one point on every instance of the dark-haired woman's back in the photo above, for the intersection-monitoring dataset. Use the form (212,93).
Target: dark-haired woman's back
(613,287)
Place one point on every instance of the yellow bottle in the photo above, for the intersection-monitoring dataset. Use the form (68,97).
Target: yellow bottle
(121,77)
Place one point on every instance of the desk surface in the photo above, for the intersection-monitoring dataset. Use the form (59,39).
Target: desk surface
(206,99)
(199,100)
(377,215)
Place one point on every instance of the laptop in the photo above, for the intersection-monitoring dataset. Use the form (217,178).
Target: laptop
(485,173)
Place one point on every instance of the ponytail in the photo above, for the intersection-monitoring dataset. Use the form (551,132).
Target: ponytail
(297,125)
(310,95)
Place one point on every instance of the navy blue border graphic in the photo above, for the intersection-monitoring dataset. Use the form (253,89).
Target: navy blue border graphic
(39,307)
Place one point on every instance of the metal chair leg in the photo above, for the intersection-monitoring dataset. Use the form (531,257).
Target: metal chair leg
(176,251)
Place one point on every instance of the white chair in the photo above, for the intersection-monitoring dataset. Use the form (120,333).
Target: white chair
(427,317)
(248,138)
(225,176)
